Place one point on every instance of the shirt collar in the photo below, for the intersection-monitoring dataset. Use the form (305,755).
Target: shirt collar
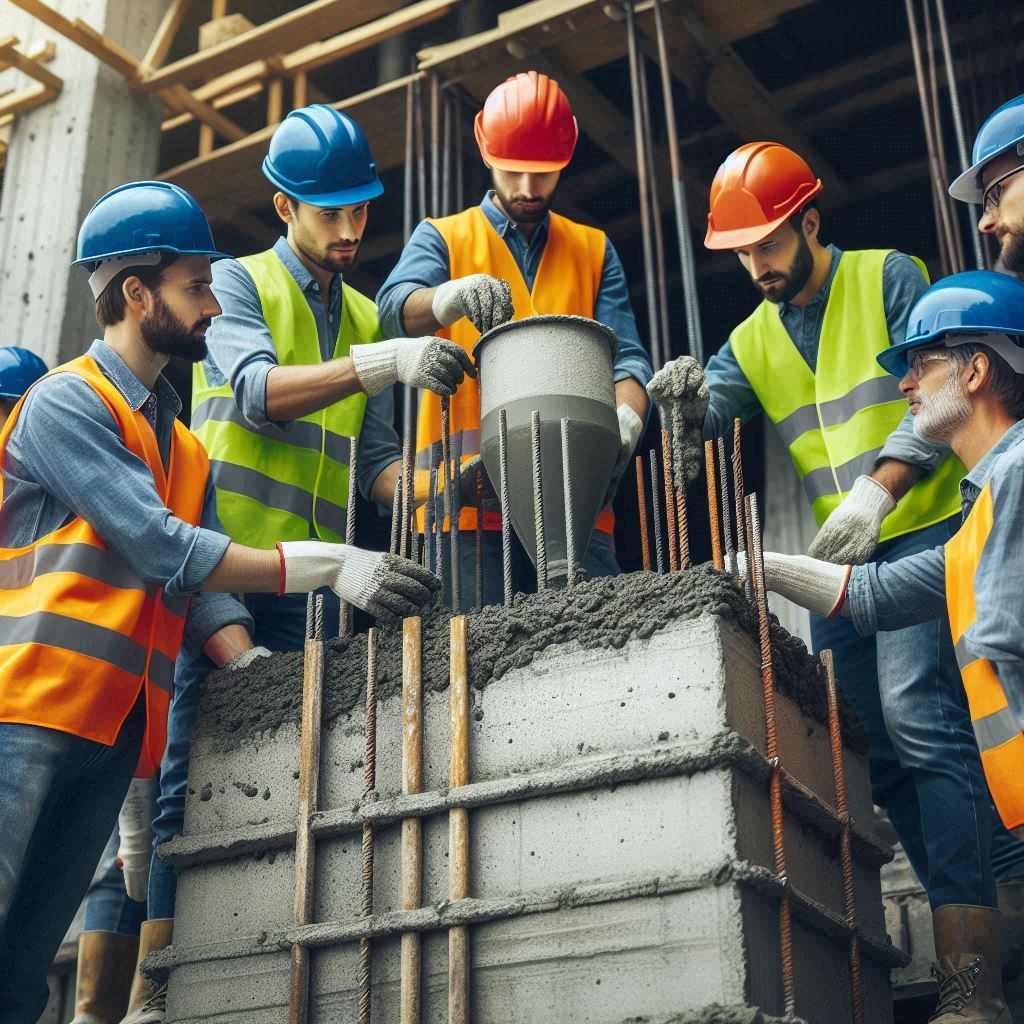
(303,278)
(982,472)
(134,392)
(822,293)
(500,222)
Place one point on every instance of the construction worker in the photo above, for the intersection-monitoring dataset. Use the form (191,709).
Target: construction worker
(109,533)
(19,370)
(508,258)
(296,368)
(962,370)
(806,356)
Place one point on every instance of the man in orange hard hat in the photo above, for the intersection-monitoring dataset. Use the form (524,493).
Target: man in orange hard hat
(806,357)
(507,258)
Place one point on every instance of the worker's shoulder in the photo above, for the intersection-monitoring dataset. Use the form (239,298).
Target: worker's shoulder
(585,230)
(63,399)
(1009,464)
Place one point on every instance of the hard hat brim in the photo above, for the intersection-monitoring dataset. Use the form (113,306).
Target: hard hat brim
(525,166)
(343,197)
(213,254)
(894,359)
(965,186)
(740,237)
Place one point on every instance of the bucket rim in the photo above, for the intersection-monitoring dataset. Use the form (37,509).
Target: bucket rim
(611,337)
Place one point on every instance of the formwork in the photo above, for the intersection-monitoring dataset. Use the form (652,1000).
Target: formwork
(621,860)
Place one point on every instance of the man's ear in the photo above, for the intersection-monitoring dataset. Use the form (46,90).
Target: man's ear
(134,292)
(283,207)
(811,223)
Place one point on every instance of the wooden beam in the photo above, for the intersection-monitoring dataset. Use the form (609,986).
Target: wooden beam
(11,57)
(227,100)
(163,38)
(304,25)
(205,113)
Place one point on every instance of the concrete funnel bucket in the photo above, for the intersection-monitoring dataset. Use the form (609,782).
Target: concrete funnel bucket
(560,366)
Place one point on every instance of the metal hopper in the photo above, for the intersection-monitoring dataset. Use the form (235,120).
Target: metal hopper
(560,366)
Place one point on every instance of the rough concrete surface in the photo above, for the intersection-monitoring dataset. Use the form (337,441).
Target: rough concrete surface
(604,613)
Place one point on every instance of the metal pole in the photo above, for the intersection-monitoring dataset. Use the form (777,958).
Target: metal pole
(479,537)
(570,537)
(685,240)
(737,488)
(396,516)
(412,828)
(723,480)
(435,148)
(456,508)
(446,157)
(406,495)
(538,502)
(709,473)
(460,187)
(421,160)
(641,498)
(506,523)
(458,823)
(410,161)
(641,174)
(369,785)
(446,478)
(428,520)
(345,612)
(670,505)
(659,549)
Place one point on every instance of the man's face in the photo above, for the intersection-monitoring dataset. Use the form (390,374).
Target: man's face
(179,311)
(328,237)
(779,265)
(1003,215)
(936,397)
(525,196)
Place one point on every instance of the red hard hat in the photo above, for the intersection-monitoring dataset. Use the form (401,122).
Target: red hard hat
(527,125)
(757,187)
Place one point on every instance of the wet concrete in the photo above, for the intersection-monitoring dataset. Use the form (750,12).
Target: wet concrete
(603,613)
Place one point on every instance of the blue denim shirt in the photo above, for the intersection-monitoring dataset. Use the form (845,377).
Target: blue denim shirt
(913,589)
(65,458)
(424,264)
(242,351)
(731,394)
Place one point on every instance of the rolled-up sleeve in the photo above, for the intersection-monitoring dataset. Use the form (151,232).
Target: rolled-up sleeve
(731,394)
(613,308)
(884,596)
(423,264)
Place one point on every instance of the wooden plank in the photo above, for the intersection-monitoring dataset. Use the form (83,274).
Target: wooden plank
(11,57)
(204,112)
(25,99)
(163,38)
(227,100)
(299,27)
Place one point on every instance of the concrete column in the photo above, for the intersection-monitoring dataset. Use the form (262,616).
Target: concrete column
(63,156)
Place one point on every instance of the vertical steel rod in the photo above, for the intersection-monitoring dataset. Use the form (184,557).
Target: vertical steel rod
(460,189)
(458,824)
(345,612)
(709,471)
(446,155)
(723,481)
(421,158)
(456,512)
(772,752)
(407,502)
(479,537)
(641,500)
(396,516)
(538,502)
(737,489)
(410,161)
(428,519)
(446,480)
(369,785)
(570,535)
(435,147)
(659,548)
(684,529)
(412,828)
(506,521)
(670,505)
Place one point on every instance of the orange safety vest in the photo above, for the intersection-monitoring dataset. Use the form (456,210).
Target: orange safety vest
(80,632)
(996,728)
(567,282)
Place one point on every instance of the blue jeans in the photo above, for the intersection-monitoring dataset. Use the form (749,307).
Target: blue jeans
(59,799)
(925,770)
(280,625)
(108,907)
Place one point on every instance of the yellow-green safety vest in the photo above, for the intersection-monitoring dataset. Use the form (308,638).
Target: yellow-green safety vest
(287,483)
(835,419)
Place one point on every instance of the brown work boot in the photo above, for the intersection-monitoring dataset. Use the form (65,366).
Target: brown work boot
(148,1003)
(967,943)
(106,961)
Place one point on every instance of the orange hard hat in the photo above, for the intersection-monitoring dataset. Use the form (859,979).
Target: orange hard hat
(757,187)
(527,125)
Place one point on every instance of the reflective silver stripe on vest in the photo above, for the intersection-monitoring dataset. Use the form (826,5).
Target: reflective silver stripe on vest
(820,481)
(996,729)
(298,433)
(963,655)
(431,457)
(88,639)
(876,391)
(83,559)
(277,495)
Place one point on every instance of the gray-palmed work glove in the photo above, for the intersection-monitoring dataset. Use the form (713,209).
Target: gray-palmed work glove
(245,658)
(850,535)
(433,363)
(486,300)
(680,391)
(631,428)
(382,584)
(135,825)
(818,586)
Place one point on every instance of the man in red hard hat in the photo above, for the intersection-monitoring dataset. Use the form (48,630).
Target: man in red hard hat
(507,258)
(806,357)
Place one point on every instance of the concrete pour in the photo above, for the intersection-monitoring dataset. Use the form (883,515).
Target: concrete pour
(620,842)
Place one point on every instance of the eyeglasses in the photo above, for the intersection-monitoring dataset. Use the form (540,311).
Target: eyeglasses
(994,193)
(917,360)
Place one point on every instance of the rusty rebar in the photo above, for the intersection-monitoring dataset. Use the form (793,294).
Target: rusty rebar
(742,527)
(756,555)
(712,481)
(683,522)
(538,501)
(723,481)
(506,522)
(479,537)
(670,505)
(641,499)
(396,516)
(659,548)
(570,537)
(835,736)
(369,785)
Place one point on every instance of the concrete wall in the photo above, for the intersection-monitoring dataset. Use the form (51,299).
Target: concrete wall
(63,156)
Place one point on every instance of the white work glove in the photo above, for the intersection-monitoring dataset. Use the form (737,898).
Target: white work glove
(486,300)
(245,658)
(383,585)
(818,586)
(135,824)
(680,391)
(433,363)
(850,535)
(631,427)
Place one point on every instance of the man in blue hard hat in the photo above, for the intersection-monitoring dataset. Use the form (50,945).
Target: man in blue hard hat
(19,370)
(110,551)
(962,370)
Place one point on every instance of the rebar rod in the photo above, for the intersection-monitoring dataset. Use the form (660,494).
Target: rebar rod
(670,505)
(344,610)
(435,146)
(428,519)
(446,471)
(723,482)
(712,480)
(570,535)
(506,508)
(421,159)
(412,828)
(456,511)
(396,516)
(406,506)
(369,785)
(835,736)
(772,752)
(659,547)
(538,502)
(738,495)
(446,156)
(460,189)
(479,537)
(458,822)
(408,185)
(641,500)
(684,528)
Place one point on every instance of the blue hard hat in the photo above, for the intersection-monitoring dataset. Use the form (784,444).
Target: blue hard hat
(974,302)
(320,156)
(19,370)
(143,217)
(1001,132)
